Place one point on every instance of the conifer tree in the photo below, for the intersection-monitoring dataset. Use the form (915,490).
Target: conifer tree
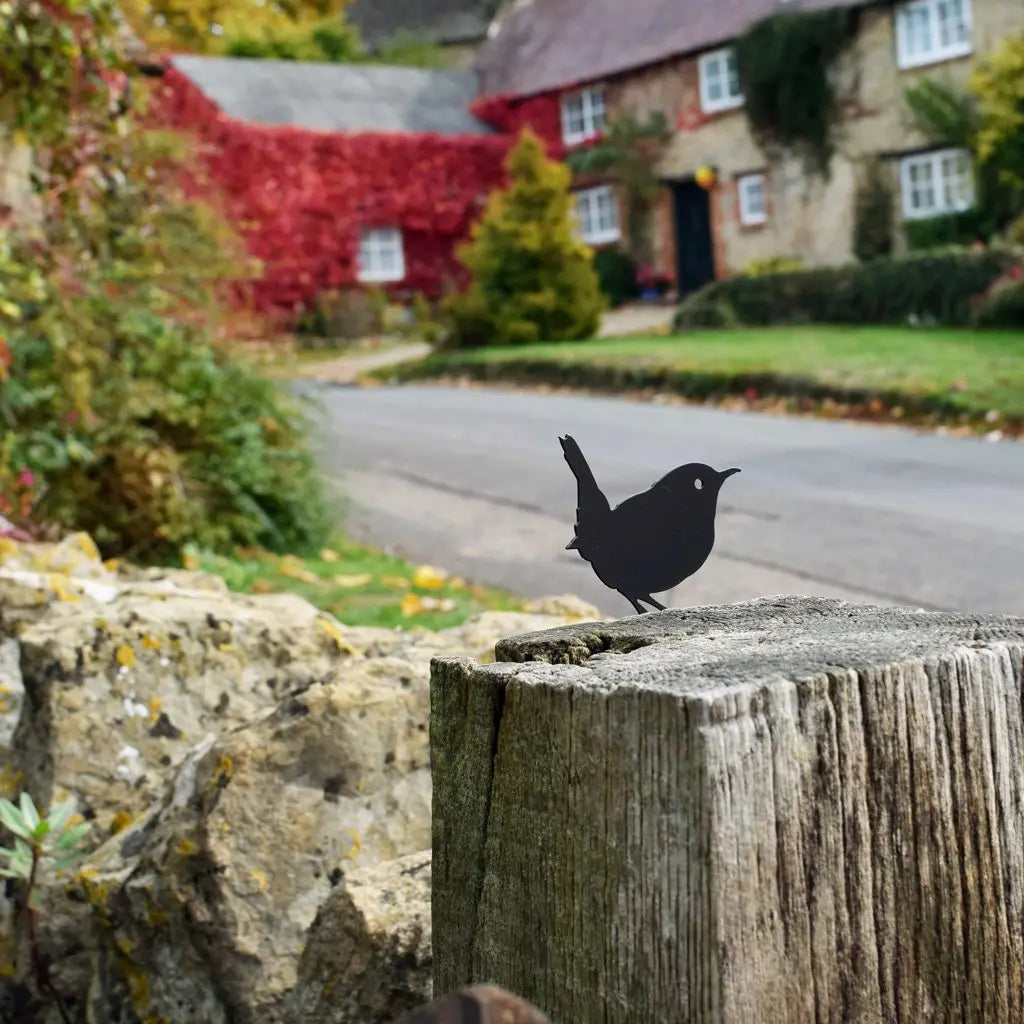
(531,277)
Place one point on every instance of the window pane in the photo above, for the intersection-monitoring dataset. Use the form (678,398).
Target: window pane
(733,74)
(917,23)
(922,187)
(572,114)
(951,23)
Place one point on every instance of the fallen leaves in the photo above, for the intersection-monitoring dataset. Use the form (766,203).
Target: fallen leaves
(426,577)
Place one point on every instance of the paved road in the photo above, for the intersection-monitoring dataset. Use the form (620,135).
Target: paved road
(473,480)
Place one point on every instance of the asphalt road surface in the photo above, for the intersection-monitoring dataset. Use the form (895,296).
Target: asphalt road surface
(473,480)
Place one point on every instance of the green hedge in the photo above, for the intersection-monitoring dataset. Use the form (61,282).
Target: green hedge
(616,276)
(938,287)
(950,229)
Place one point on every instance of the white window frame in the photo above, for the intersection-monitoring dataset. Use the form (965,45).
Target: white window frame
(592,114)
(752,218)
(929,9)
(374,243)
(727,101)
(933,161)
(590,199)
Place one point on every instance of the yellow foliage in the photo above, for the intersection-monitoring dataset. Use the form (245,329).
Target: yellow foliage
(350,582)
(203,24)
(426,577)
(998,84)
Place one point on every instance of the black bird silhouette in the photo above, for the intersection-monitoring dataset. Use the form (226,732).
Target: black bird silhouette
(653,540)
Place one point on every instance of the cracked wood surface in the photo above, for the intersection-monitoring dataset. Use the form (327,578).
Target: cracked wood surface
(789,811)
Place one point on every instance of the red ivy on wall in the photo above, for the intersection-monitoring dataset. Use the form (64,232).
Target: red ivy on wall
(300,197)
(510,114)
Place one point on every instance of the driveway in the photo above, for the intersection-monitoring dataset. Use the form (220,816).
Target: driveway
(473,480)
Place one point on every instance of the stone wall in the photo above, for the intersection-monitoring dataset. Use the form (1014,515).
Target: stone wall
(256,777)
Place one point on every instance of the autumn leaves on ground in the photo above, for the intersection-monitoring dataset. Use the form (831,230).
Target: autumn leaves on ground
(358,585)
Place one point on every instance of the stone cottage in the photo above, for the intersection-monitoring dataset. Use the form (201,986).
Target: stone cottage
(588,60)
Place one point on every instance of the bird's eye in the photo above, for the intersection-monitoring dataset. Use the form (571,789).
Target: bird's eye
(698,483)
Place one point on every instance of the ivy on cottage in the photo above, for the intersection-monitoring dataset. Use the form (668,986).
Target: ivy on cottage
(786,66)
(300,197)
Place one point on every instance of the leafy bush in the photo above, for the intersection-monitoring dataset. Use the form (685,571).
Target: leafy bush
(616,276)
(774,265)
(1015,232)
(1003,304)
(120,397)
(998,83)
(531,278)
(332,42)
(940,287)
(872,215)
(696,316)
(949,229)
(347,315)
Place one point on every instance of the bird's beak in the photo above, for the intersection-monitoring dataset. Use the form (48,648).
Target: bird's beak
(726,473)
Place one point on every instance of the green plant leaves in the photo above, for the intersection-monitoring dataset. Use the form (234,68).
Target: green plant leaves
(14,819)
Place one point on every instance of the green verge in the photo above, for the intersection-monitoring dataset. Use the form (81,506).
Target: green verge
(935,375)
(358,585)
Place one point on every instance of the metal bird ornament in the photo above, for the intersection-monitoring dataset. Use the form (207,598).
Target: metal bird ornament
(653,540)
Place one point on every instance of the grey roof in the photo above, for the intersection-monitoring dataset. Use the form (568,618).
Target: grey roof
(337,97)
(442,21)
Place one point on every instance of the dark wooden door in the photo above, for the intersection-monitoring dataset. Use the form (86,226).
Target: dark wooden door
(695,260)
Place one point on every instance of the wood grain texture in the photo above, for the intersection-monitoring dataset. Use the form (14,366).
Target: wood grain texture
(791,811)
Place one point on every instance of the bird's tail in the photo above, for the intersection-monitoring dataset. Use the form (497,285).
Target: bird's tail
(589,497)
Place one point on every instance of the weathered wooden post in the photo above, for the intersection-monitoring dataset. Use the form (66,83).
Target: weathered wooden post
(790,811)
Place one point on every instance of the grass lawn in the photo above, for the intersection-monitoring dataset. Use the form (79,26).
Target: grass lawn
(358,585)
(977,371)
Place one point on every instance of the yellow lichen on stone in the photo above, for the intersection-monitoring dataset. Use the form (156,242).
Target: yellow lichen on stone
(86,545)
(10,781)
(332,630)
(224,770)
(259,878)
(155,707)
(125,656)
(155,916)
(357,844)
(120,822)
(186,847)
(150,643)
(60,584)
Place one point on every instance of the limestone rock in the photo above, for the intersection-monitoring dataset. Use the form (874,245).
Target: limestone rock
(214,893)
(258,778)
(368,954)
(116,695)
(565,606)
(12,692)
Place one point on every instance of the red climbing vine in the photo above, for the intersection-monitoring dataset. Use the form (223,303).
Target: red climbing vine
(300,197)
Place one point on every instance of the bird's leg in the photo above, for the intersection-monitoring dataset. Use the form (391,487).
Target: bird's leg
(657,604)
(640,609)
